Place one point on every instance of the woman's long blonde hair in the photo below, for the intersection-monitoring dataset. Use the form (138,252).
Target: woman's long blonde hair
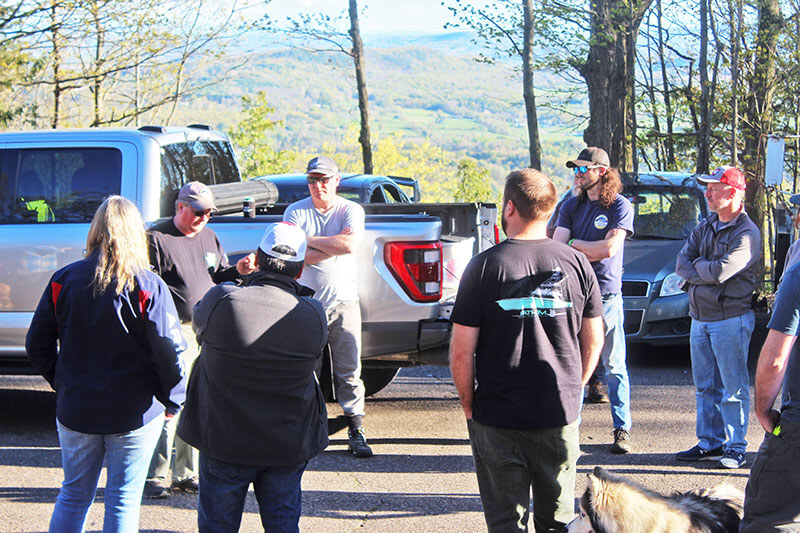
(117,232)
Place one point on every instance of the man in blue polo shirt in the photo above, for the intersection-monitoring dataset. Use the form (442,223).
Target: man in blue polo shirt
(596,222)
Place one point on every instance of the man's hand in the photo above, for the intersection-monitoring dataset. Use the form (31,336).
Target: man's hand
(247,264)
(769,420)
(463,342)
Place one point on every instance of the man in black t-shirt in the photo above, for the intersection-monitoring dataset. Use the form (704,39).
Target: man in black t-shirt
(527,325)
(189,258)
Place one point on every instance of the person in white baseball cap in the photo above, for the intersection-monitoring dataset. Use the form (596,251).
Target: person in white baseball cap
(254,408)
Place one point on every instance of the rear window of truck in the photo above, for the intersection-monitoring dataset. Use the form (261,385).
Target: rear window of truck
(209,162)
(56,185)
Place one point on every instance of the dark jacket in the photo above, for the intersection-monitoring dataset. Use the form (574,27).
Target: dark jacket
(720,267)
(254,398)
(117,366)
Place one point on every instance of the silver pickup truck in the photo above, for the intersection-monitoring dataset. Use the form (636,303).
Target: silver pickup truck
(51,182)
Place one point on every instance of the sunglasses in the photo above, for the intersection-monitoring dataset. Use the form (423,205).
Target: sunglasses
(199,214)
(584,170)
(318,179)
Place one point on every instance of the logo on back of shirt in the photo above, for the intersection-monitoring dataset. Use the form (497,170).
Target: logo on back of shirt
(601,222)
(544,299)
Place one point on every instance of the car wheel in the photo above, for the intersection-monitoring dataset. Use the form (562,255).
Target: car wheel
(376,379)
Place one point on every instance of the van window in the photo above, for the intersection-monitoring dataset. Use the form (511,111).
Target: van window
(56,185)
(208,162)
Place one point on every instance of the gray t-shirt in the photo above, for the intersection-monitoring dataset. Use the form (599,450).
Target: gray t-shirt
(334,279)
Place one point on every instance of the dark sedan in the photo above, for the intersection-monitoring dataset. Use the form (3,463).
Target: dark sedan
(667,206)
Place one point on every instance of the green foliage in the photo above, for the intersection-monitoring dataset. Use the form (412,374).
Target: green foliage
(256,156)
(473,182)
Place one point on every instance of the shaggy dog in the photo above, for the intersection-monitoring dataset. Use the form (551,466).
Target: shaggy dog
(613,505)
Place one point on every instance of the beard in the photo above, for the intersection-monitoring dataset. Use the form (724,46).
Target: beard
(503,223)
(587,186)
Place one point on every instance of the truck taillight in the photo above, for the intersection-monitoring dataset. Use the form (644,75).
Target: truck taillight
(496,234)
(417,267)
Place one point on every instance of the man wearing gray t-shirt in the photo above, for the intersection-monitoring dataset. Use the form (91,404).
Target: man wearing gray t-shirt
(334,226)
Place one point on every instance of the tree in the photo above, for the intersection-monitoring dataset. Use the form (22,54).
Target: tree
(326,32)
(507,30)
(473,182)
(609,72)
(99,52)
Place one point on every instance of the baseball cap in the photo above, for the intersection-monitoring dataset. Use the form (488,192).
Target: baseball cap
(197,195)
(589,157)
(727,175)
(284,234)
(322,165)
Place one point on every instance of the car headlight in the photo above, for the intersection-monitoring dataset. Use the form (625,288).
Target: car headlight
(671,285)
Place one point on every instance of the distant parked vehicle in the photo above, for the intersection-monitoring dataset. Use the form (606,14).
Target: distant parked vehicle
(360,188)
(667,206)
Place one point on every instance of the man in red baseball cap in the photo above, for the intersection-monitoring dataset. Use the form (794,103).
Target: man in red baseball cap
(719,263)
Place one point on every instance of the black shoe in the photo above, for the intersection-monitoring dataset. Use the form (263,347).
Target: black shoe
(186,485)
(622,441)
(357,442)
(732,459)
(155,489)
(696,453)
(596,392)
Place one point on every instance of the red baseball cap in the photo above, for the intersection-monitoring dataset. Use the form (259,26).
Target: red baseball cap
(725,174)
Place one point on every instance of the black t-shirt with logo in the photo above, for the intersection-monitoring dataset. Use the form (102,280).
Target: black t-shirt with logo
(528,298)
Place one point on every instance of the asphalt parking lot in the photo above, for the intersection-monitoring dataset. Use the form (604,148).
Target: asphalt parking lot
(421,478)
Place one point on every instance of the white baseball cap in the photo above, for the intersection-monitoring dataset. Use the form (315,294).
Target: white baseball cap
(284,234)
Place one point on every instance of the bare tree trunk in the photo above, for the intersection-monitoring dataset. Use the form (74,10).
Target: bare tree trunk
(736,44)
(704,134)
(98,62)
(361,84)
(609,77)
(670,141)
(534,145)
(55,122)
(759,113)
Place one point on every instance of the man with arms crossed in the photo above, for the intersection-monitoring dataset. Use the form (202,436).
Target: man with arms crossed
(528,316)
(189,258)
(334,226)
(596,223)
(719,263)
(254,407)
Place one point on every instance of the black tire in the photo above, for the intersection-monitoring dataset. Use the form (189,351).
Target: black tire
(376,379)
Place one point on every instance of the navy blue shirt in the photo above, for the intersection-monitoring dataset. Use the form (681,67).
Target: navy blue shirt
(112,359)
(588,220)
(786,319)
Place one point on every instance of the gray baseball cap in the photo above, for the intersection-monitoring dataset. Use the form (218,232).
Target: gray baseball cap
(197,195)
(324,165)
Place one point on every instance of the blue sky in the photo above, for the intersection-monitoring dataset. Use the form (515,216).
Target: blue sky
(381,16)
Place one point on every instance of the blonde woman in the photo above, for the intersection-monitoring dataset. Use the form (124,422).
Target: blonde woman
(106,337)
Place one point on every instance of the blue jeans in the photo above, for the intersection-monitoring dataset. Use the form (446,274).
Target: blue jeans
(613,357)
(127,456)
(223,489)
(722,383)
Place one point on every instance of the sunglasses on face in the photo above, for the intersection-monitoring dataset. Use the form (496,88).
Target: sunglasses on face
(583,170)
(318,179)
(199,214)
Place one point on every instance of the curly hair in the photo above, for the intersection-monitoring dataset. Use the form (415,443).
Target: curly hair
(610,186)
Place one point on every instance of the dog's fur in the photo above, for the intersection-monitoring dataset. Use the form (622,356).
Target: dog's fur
(613,505)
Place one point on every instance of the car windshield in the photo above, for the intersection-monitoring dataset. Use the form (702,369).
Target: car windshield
(664,213)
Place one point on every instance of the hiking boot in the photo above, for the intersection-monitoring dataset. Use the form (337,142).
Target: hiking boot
(188,484)
(155,489)
(622,441)
(696,453)
(357,442)
(732,459)
(596,392)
